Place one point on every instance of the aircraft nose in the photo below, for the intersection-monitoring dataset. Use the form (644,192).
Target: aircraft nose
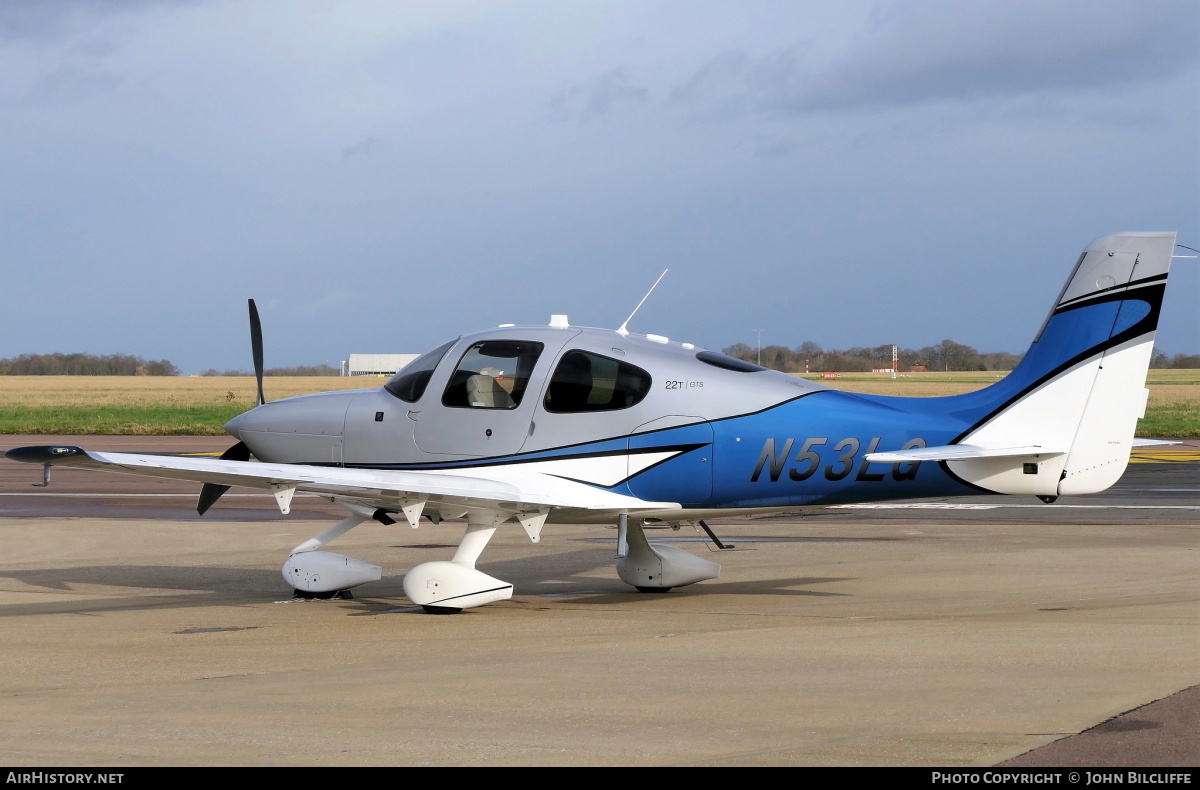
(234,426)
(301,429)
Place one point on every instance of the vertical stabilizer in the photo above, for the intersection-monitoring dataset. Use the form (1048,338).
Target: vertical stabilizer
(1104,436)
(1080,388)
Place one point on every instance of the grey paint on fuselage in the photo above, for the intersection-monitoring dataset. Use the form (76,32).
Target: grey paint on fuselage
(305,428)
(454,432)
(360,427)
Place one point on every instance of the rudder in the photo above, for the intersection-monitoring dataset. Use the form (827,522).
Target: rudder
(1080,388)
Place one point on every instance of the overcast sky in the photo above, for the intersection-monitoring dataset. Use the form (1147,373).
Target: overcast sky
(381,176)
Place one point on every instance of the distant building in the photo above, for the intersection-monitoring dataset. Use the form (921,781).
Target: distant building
(377,364)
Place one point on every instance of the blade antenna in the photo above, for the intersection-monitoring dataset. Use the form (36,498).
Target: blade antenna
(623,330)
(256,347)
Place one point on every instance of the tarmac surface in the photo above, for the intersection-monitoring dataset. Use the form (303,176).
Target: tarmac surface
(974,632)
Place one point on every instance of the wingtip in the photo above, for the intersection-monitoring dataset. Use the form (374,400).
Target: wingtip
(43,453)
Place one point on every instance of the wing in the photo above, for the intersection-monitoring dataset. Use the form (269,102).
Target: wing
(525,494)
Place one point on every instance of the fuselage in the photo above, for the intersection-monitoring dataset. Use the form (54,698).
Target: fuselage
(525,421)
(640,415)
(578,425)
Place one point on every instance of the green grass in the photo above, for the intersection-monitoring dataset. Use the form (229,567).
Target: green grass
(132,420)
(1180,419)
(200,406)
(1172,420)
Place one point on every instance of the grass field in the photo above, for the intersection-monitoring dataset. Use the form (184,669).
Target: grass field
(195,406)
(1172,411)
(144,405)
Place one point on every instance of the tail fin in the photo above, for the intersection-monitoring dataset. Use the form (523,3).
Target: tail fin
(1080,389)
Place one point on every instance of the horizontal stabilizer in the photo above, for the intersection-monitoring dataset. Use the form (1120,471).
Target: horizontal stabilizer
(960,452)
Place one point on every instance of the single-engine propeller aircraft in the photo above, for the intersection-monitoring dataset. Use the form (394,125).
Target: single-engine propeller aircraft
(580,425)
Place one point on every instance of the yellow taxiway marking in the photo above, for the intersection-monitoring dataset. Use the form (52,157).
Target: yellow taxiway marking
(1165,455)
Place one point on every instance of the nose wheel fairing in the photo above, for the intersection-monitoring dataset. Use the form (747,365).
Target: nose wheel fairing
(321,573)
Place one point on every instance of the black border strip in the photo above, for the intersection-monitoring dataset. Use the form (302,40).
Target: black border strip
(627,478)
(1130,284)
(467,595)
(525,458)
(477,463)
(1147,325)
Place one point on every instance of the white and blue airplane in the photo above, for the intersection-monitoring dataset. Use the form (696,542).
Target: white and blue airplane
(579,425)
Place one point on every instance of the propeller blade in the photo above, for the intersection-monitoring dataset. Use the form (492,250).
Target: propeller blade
(256,346)
(211,492)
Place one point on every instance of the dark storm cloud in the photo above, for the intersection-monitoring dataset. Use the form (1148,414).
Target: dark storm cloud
(365,168)
(362,148)
(944,50)
(718,89)
(73,40)
(48,20)
(72,82)
(593,98)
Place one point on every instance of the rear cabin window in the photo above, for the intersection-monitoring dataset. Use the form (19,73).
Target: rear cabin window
(492,375)
(589,382)
(728,363)
(410,382)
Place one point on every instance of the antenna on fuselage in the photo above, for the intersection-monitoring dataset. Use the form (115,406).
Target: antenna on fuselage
(623,330)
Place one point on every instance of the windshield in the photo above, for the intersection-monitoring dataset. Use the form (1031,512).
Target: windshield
(410,382)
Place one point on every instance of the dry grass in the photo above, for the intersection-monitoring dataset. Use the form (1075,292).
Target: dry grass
(910,385)
(185,391)
(1173,409)
(1167,387)
(143,405)
(202,404)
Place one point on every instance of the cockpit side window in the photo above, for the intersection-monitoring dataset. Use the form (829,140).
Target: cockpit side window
(492,375)
(589,382)
(410,382)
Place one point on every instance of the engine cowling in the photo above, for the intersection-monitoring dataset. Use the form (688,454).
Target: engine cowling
(324,571)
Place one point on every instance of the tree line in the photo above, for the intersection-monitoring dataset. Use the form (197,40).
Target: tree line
(946,355)
(1160,360)
(59,364)
(299,370)
(810,357)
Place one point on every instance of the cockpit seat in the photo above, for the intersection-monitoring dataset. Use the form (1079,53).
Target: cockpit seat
(485,392)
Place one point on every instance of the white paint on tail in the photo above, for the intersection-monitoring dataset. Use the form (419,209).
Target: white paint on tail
(1092,406)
